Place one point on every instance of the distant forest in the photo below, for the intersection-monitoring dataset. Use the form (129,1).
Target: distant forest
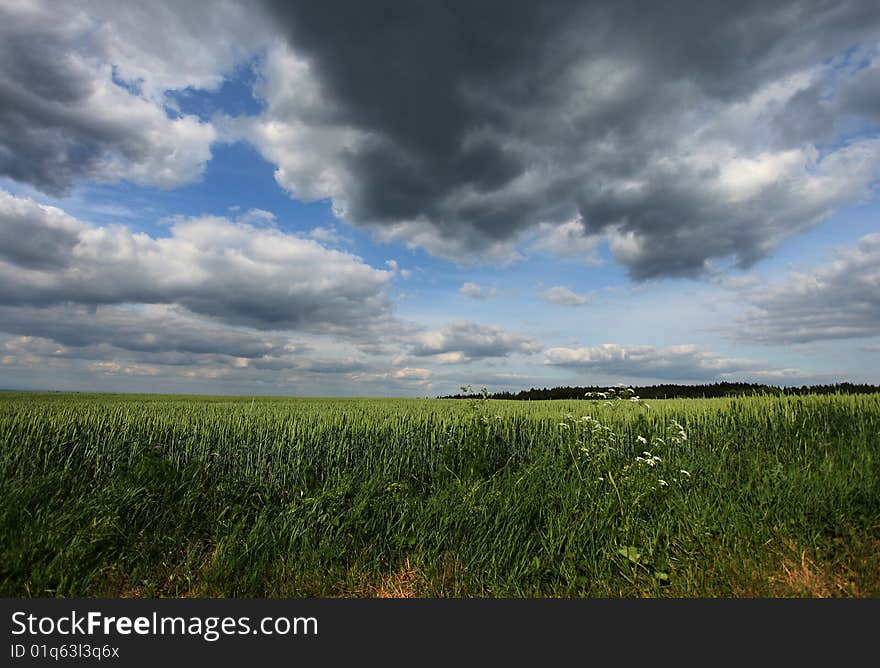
(679,391)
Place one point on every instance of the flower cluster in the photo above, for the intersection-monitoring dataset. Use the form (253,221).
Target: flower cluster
(606,450)
(616,394)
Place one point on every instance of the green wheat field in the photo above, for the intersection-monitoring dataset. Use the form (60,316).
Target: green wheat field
(149,495)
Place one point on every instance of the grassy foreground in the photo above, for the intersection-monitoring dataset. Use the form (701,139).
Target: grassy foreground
(111,495)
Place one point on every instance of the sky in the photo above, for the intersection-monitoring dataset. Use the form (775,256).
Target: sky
(402,198)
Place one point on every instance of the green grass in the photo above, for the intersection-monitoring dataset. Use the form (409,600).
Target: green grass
(108,495)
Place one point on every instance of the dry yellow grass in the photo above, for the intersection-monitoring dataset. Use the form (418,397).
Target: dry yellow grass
(801,576)
(406,582)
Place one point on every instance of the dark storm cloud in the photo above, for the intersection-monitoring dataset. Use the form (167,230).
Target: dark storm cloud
(682,132)
(862,93)
(479,120)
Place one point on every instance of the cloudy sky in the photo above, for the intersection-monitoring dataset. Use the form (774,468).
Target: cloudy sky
(400,198)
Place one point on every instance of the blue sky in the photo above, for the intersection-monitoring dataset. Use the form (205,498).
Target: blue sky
(226,199)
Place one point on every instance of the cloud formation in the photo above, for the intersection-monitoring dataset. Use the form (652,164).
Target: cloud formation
(478,292)
(464,341)
(837,300)
(683,136)
(83,88)
(153,329)
(569,240)
(229,270)
(680,136)
(679,363)
(675,140)
(563,296)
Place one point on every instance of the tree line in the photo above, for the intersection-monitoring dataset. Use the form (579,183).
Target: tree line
(673,391)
